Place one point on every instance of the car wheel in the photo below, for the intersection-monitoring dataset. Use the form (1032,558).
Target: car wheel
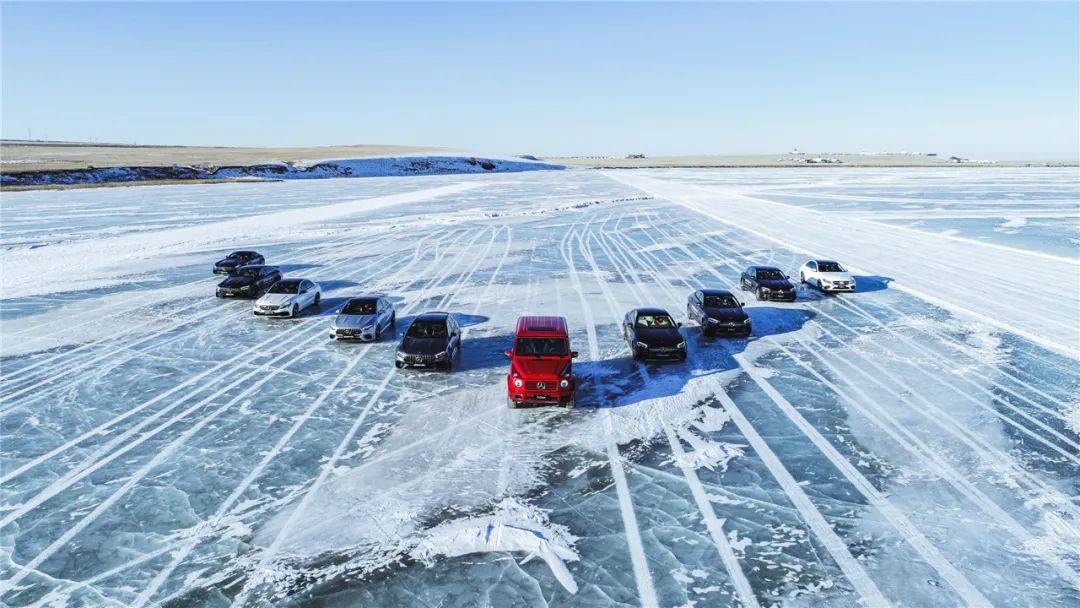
(295,311)
(510,403)
(819,286)
(318,298)
(571,403)
(760,294)
(802,278)
(393,319)
(398,364)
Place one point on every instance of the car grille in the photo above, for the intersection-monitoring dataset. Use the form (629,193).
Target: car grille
(347,332)
(420,358)
(548,385)
(663,350)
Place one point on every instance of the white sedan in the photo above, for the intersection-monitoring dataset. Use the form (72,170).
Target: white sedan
(288,297)
(826,275)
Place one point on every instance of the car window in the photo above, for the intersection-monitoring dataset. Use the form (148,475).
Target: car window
(831,267)
(427,329)
(359,307)
(769,274)
(285,287)
(542,347)
(655,321)
(812,265)
(720,302)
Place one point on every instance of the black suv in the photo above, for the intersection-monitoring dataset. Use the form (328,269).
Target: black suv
(651,333)
(718,312)
(248,282)
(767,283)
(432,340)
(237,259)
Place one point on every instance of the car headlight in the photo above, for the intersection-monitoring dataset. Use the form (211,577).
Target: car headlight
(564,383)
(400,355)
(518,383)
(641,345)
(712,320)
(746,321)
(766,290)
(441,355)
(681,345)
(369,328)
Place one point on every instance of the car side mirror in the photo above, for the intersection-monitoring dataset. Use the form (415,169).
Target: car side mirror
(679,324)
(573,354)
(509,354)
(742,303)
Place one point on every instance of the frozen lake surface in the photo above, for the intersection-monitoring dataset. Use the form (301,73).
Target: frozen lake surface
(915,443)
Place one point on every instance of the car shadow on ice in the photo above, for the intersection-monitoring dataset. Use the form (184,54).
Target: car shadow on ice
(621,381)
(868,283)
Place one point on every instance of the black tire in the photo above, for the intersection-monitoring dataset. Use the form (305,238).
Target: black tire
(295,312)
(760,294)
(393,319)
(819,288)
(510,403)
(399,364)
(571,403)
(802,278)
(318,298)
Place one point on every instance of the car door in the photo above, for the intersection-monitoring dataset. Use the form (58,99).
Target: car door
(749,279)
(628,328)
(455,334)
(384,315)
(306,295)
(697,306)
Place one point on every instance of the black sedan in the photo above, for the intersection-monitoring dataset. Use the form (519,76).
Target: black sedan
(718,312)
(767,283)
(237,259)
(651,333)
(248,282)
(432,340)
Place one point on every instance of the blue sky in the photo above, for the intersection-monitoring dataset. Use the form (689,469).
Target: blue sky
(981,80)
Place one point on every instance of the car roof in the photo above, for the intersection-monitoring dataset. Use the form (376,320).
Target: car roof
(255,266)
(360,298)
(435,315)
(541,326)
(243,252)
(715,292)
(651,311)
(764,268)
(287,281)
(826,261)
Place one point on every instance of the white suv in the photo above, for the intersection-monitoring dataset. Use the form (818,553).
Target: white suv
(826,275)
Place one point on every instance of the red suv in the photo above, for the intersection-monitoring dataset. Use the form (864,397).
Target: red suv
(541,369)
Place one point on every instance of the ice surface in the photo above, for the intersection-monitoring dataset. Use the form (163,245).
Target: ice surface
(160,446)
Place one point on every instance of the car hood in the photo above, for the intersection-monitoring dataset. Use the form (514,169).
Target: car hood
(726,314)
(275,299)
(228,263)
(353,321)
(236,282)
(776,283)
(533,369)
(658,336)
(423,346)
(835,276)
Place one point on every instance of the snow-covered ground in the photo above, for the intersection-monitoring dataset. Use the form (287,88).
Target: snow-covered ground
(915,443)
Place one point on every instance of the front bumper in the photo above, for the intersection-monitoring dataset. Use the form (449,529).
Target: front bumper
(360,335)
(728,329)
(422,361)
(778,296)
(666,353)
(280,312)
(834,288)
(235,293)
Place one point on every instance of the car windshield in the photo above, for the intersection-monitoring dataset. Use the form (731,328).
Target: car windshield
(542,347)
(770,274)
(246,272)
(359,307)
(655,321)
(286,287)
(427,329)
(721,302)
(830,267)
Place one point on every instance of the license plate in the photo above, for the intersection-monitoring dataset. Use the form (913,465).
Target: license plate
(541,397)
